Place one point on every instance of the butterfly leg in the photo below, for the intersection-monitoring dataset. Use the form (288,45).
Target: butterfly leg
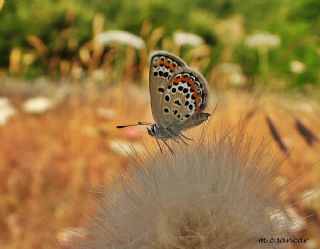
(182,139)
(168,146)
(174,136)
(186,137)
(159,146)
(175,140)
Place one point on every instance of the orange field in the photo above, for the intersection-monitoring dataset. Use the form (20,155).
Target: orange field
(54,163)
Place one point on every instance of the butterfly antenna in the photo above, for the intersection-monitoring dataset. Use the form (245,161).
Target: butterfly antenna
(139,123)
(159,146)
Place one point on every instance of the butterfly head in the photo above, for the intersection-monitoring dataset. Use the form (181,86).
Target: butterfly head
(153,130)
(159,131)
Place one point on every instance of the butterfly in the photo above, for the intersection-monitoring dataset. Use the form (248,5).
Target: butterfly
(178,97)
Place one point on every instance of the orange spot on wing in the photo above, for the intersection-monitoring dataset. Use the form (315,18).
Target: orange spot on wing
(197,100)
(176,80)
(170,66)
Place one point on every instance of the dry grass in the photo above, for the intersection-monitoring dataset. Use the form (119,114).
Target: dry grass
(50,162)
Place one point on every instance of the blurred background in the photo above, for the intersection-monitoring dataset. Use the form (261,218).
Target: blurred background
(70,71)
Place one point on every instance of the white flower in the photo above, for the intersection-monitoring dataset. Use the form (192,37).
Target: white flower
(119,37)
(297,67)
(38,105)
(6,110)
(182,39)
(263,39)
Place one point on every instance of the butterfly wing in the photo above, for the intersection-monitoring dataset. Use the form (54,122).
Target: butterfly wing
(162,67)
(184,99)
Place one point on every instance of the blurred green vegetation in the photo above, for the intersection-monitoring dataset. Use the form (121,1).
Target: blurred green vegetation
(51,31)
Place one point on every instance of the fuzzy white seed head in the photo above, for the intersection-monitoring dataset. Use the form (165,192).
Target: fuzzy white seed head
(208,195)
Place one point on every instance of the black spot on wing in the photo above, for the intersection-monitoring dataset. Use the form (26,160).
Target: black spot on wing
(161,90)
(177,102)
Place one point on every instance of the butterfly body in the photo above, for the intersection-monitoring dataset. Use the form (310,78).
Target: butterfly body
(165,133)
(162,132)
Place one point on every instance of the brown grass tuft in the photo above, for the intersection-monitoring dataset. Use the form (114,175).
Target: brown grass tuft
(276,135)
(306,133)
